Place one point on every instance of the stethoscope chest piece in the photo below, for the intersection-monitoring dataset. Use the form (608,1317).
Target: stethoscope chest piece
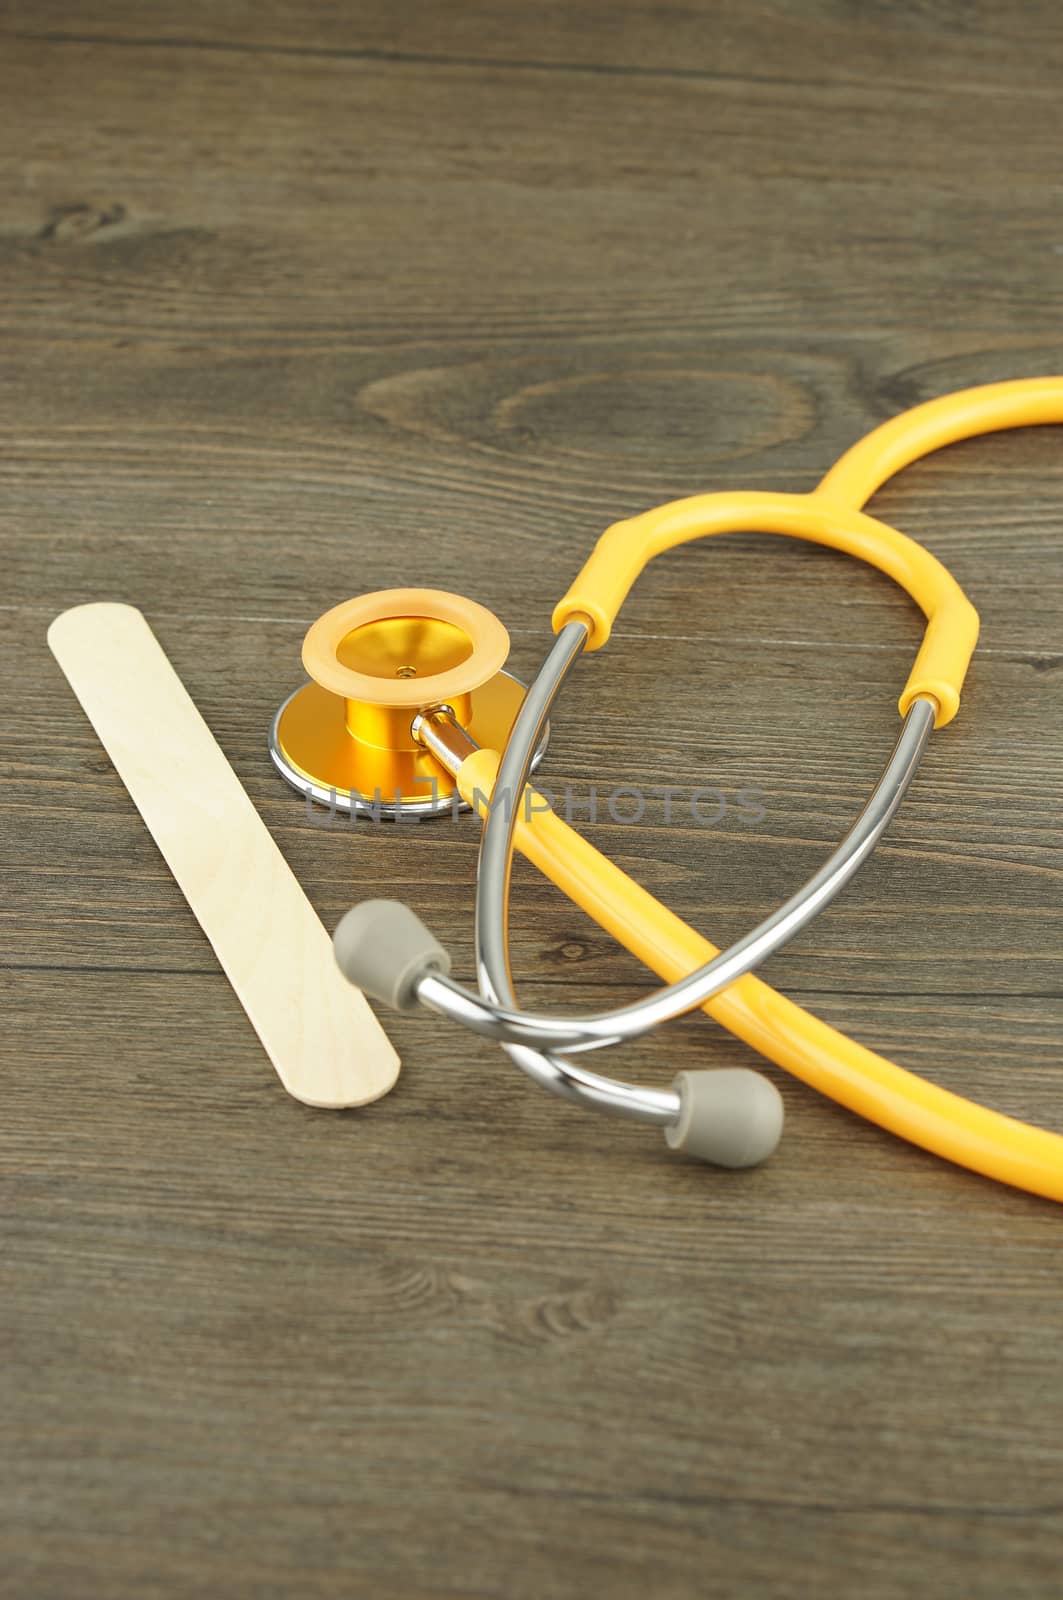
(346,740)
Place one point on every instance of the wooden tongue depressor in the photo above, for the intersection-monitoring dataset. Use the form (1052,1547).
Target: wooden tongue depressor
(326,1044)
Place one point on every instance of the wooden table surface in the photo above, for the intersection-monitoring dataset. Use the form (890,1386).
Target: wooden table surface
(301,300)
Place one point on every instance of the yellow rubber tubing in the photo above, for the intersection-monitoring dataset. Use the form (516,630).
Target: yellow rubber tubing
(970,1135)
(625,548)
(967,414)
(832,515)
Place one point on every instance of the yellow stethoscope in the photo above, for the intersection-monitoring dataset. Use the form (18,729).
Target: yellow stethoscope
(408,694)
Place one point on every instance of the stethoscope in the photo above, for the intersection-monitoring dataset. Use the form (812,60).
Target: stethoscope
(408,708)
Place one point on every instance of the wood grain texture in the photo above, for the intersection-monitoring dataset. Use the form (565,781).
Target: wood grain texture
(302,300)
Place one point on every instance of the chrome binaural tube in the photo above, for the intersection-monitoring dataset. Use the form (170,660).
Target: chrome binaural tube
(494,1016)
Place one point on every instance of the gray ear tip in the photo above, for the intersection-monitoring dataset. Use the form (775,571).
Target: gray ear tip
(384,948)
(732,1117)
